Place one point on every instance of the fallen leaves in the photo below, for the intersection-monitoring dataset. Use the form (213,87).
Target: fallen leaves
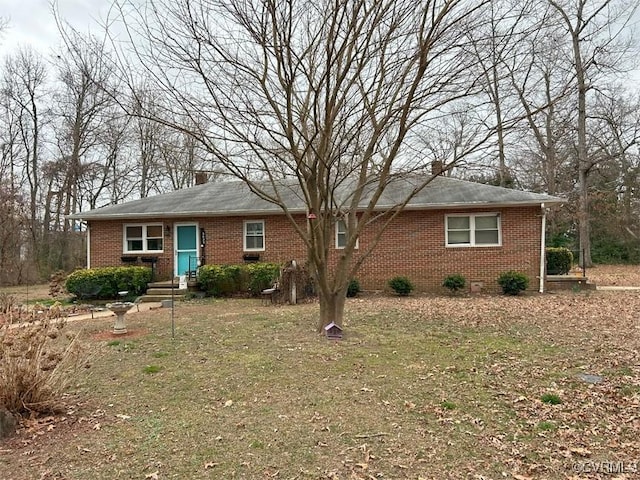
(437,387)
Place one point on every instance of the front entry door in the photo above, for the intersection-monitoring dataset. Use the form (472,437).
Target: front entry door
(186,248)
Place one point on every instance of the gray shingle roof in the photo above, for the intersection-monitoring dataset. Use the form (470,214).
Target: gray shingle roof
(235,198)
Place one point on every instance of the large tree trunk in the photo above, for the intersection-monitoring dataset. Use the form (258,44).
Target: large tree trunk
(584,229)
(583,159)
(331,309)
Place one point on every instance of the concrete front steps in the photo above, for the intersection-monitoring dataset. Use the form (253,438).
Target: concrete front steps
(159,291)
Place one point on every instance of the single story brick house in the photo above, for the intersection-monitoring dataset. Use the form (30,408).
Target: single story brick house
(451,227)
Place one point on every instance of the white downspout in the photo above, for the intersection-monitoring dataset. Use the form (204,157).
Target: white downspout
(542,246)
(294,293)
(88,246)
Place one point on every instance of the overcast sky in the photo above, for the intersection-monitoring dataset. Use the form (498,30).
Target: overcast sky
(31,22)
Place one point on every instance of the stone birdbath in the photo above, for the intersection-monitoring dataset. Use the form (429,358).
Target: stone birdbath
(120,308)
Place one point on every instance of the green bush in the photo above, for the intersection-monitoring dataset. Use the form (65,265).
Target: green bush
(401,285)
(615,250)
(261,276)
(559,260)
(353,288)
(513,282)
(454,283)
(225,280)
(219,280)
(105,282)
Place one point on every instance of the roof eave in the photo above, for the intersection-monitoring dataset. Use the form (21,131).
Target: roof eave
(132,216)
(457,206)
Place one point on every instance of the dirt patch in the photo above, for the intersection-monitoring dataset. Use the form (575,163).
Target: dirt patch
(109,335)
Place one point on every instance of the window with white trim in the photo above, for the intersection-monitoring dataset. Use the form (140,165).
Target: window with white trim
(254,235)
(341,234)
(477,230)
(142,238)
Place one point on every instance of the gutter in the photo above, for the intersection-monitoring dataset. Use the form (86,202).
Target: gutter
(542,246)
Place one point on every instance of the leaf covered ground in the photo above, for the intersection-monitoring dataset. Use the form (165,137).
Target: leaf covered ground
(483,387)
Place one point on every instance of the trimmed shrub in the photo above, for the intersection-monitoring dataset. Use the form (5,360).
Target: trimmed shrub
(454,283)
(225,280)
(401,285)
(559,260)
(261,276)
(353,288)
(513,282)
(219,280)
(105,282)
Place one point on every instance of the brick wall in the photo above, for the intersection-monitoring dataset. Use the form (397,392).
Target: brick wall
(413,245)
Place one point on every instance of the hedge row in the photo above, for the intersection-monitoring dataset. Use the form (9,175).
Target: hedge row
(105,283)
(225,280)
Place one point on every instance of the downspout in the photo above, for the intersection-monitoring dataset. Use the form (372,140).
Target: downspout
(88,246)
(542,246)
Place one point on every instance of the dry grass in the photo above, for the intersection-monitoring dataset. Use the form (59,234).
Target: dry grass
(27,293)
(37,362)
(420,387)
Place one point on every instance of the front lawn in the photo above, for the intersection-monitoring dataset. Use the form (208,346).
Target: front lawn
(420,387)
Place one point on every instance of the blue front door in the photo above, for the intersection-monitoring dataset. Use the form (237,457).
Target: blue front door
(186,249)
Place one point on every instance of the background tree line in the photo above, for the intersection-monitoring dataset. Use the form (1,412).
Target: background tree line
(543,103)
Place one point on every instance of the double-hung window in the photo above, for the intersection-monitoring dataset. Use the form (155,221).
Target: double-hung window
(341,234)
(477,230)
(143,238)
(254,235)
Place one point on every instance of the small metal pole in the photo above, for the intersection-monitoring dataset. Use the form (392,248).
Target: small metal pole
(173,323)
(584,264)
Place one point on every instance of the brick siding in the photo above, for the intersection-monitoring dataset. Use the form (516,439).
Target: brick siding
(413,245)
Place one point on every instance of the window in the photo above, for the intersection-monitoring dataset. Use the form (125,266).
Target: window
(473,230)
(143,238)
(254,235)
(341,234)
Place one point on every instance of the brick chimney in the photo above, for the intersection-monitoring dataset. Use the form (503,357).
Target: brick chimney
(201,177)
(436,167)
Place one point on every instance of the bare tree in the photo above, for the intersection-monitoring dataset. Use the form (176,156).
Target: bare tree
(23,92)
(83,109)
(542,82)
(614,141)
(13,226)
(325,93)
(497,44)
(596,30)
(108,178)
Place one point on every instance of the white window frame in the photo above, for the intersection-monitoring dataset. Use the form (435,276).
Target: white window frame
(338,232)
(145,237)
(244,236)
(472,230)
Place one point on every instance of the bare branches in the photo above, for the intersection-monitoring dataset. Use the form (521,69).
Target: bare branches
(327,93)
